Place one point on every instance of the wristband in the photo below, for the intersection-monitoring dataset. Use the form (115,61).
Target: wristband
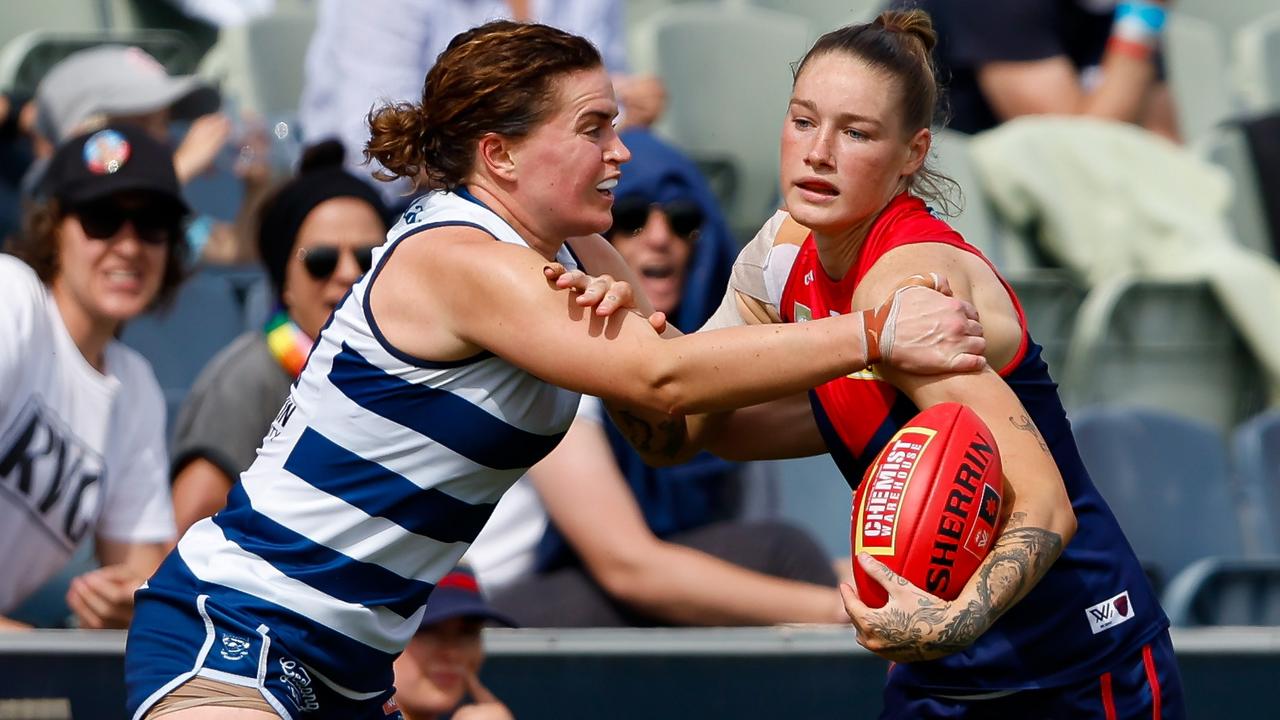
(1139,21)
(873,330)
(1129,48)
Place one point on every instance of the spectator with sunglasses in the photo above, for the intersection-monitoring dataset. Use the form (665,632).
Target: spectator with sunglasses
(82,417)
(316,236)
(593,536)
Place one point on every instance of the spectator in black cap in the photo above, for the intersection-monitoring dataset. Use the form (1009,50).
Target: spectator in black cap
(81,416)
(316,236)
(439,668)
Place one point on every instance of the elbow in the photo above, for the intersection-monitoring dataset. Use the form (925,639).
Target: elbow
(627,577)
(1066,518)
(664,390)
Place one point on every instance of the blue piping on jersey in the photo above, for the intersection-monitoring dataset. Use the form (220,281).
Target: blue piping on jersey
(437,414)
(373,324)
(320,567)
(379,492)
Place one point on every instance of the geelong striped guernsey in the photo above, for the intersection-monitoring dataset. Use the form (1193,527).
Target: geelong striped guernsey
(379,471)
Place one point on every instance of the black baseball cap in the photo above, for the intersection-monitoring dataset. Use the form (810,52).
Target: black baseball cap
(104,162)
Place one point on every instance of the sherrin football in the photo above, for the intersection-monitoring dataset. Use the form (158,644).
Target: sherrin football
(929,506)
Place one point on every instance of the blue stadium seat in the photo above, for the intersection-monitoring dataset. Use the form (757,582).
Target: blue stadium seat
(1166,479)
(1226,591)
(206,315)
(1255,450)
(1051,299)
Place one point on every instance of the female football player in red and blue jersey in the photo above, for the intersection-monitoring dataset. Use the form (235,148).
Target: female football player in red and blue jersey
(1059,621)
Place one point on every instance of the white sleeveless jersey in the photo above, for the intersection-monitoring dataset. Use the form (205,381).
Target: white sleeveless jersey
(377,474)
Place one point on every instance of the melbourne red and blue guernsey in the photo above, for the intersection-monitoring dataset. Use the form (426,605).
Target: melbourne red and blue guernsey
(1094,605)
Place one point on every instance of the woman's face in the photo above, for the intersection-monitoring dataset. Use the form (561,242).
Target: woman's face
(431,672)
(567,166)
(659,255)
(844,152)
(331,252)
(112,254)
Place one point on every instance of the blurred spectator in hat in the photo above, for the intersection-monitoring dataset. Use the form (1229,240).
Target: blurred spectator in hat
(117,83)
(316,235)
(439,668)
(82,452)
(124,84)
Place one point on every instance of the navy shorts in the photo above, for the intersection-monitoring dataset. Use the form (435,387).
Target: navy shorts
(1143,686)
(175,639)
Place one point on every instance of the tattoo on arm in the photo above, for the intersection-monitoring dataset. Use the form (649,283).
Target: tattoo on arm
(663,438)
(1018,560)
(1024,424)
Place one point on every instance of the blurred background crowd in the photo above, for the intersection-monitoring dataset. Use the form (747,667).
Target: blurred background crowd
(1122,171)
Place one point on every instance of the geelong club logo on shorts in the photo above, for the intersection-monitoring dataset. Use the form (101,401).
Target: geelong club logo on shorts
(1110,613)
(234,648)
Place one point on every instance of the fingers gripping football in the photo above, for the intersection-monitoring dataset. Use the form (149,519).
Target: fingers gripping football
(921,329)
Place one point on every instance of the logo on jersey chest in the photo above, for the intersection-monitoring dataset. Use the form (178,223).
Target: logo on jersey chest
(48,469)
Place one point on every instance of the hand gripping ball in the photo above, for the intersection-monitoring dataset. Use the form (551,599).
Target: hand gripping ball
(929,506)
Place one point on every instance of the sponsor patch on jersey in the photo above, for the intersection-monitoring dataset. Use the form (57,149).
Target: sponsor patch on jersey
(803,313)
(1110,613)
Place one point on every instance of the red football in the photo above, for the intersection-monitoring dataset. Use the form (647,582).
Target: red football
(929,505)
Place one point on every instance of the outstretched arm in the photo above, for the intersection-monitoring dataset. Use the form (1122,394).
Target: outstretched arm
(496,297)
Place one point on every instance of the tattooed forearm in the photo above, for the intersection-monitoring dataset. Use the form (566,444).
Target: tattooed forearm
(1018,560)
(664,438)
(936,627)
(1023,423)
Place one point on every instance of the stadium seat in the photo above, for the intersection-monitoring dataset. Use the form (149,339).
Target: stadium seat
(25,59)
(1226,146)
(1161,344)
(1255,451)
(1227,16)
(259,64)
(727,72)
(1167,481)
(1257,62)
(827,15)
(1051,299)
(1225,591)
(206,315)
(50,16)
(976,220)
(1196,62)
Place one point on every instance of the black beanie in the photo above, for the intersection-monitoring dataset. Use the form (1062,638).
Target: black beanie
(320,178)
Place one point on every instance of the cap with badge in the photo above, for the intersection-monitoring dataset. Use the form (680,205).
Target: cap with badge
(112,160)
(115,81)
(457,595)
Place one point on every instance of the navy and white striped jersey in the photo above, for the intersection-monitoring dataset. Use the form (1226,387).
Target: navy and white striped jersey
(379,471)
